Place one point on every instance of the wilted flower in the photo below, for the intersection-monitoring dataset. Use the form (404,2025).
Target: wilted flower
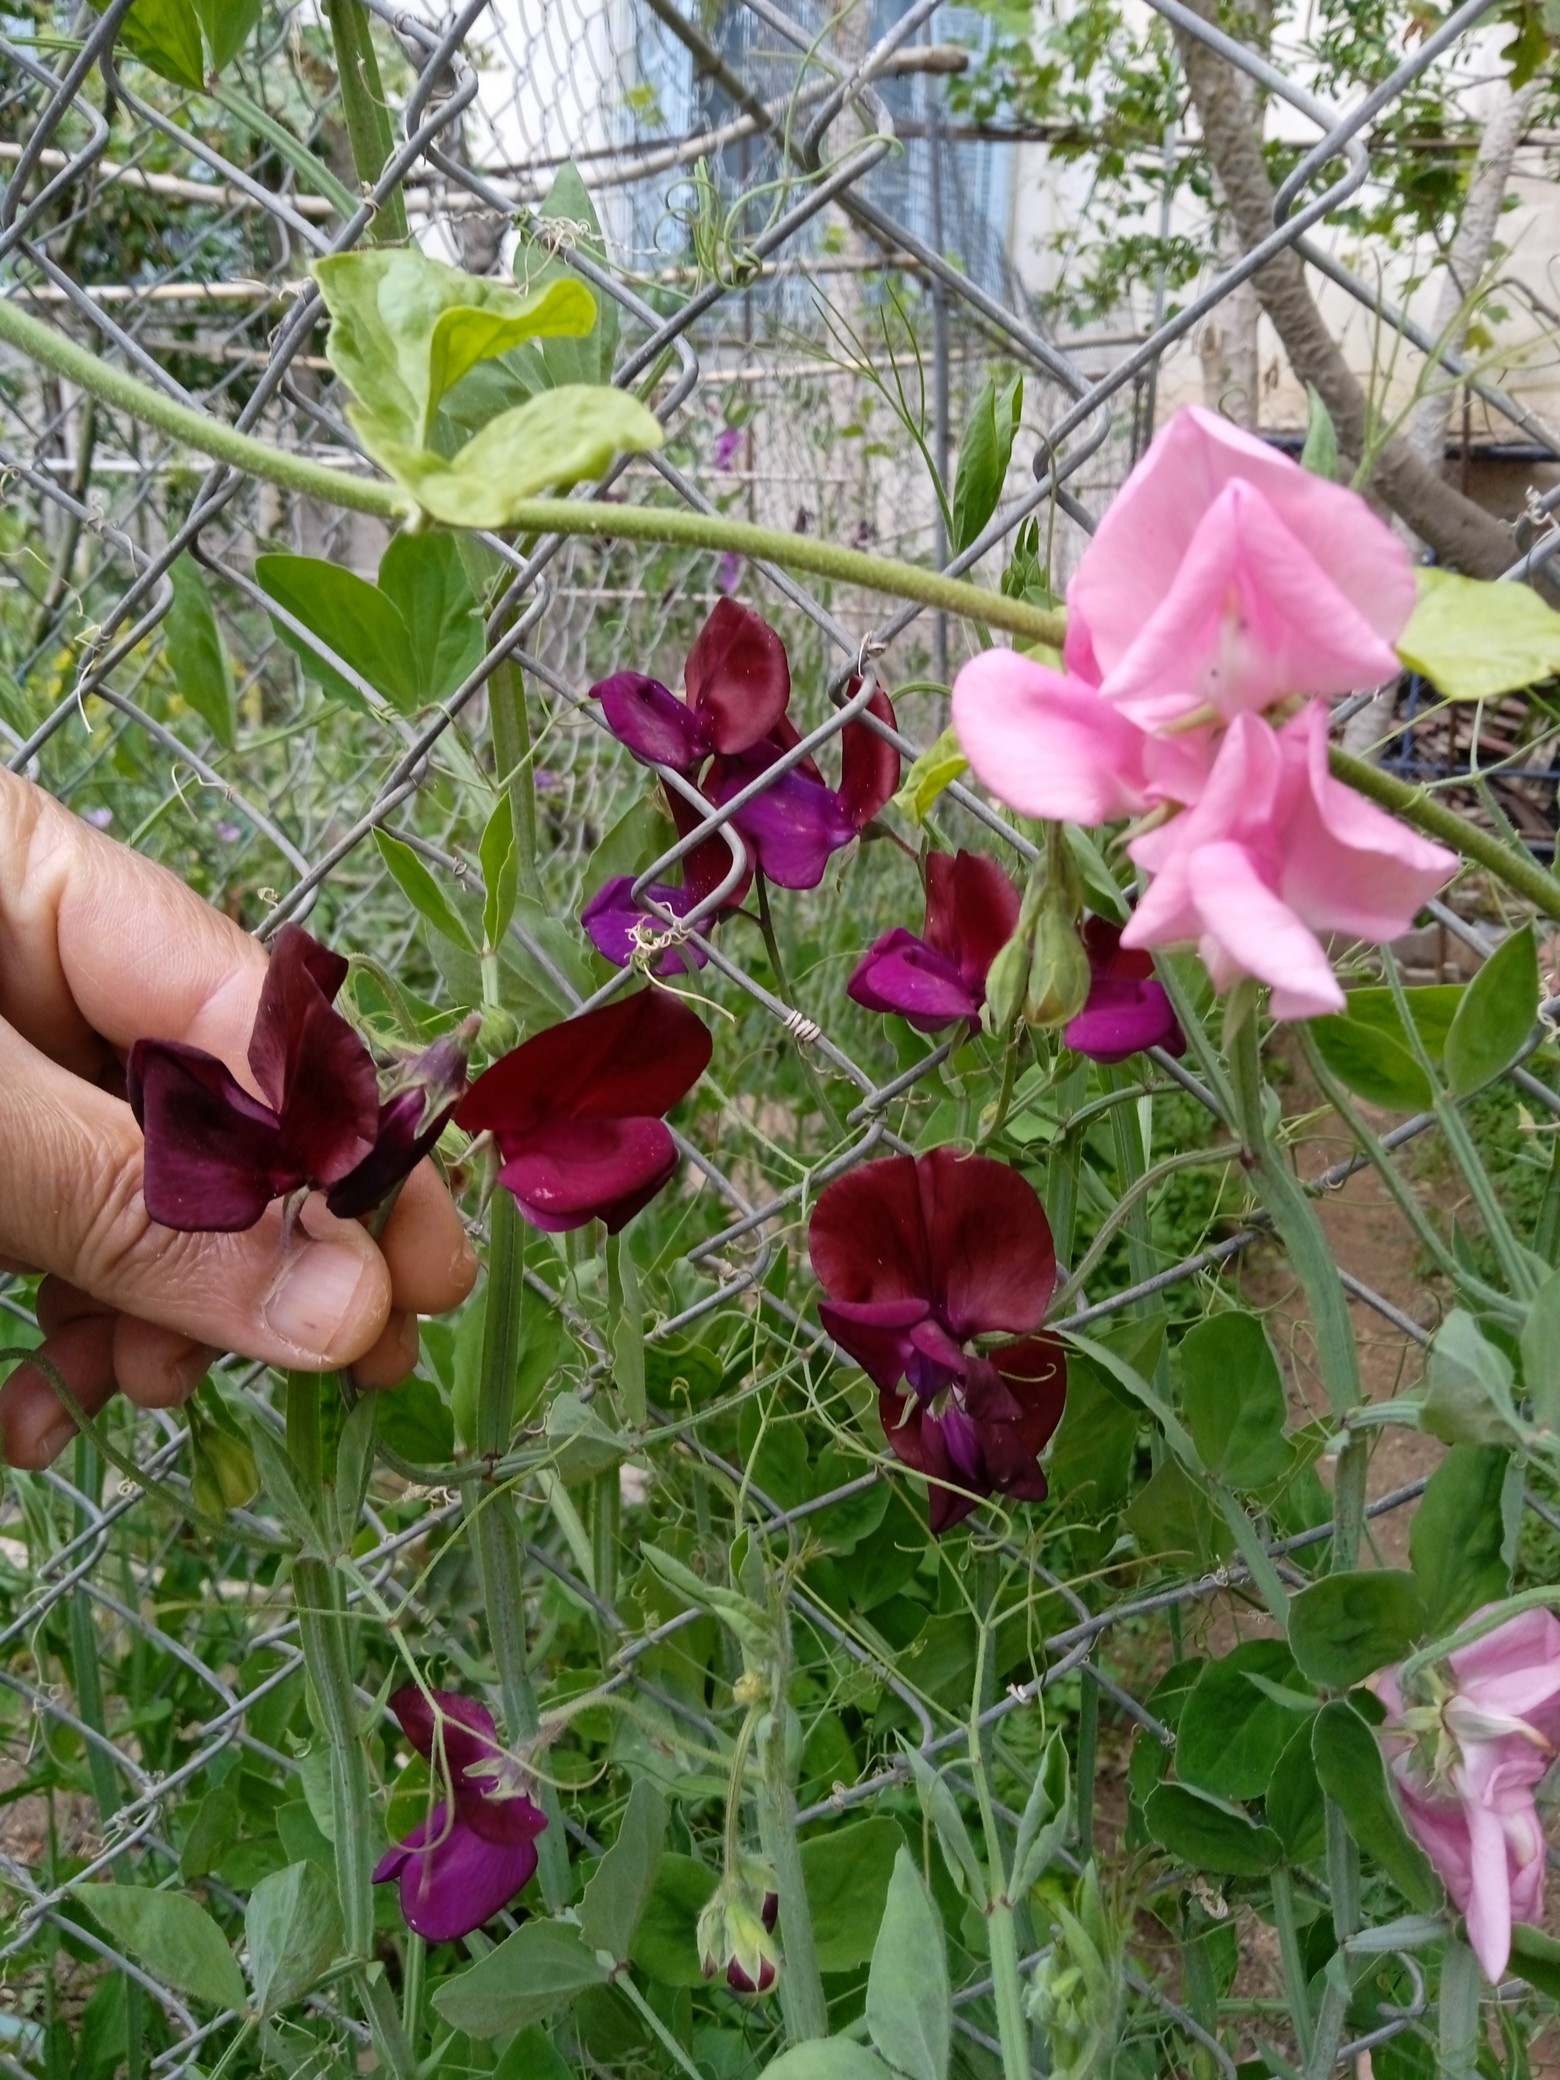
(932,981)
(1126,1010)
(477,1847)
(736,1929)
(919,1255)
(1466,1766)
(1274,853)
(216,1156)
(618,927)
(576,1110)
(738,686)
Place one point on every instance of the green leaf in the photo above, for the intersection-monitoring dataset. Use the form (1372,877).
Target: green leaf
(1456,1537)
(749,1624)
(1231,1733)
(1372,1064)
(827,2058)
(1172,1519)
(196,652)
(404,329)
(547,443)
(279,1479)
(664,1944)
(228,25)
(164,34)
(1468,1387)
(1320,453)
(1496,1015)
(532,2055)
(292,1926)
(1473,640)
(1541,1354)
(1431,1005)
(1092,1454)
(424,579)
(1353,1775)
(592,358)
(422,891)
(537,1969)
(1234,1400)
(618,1893)
(909,2002)
(355,1466)
(641,834)
(359,623)
(174,1939)
(938,766)
(1042,1826)
(847,1875)
(953,1837)
(1209,1835)
(1295,1809)
(416,1422)
(500,870)
(1346,1626)
(985,449)
(1536,1958)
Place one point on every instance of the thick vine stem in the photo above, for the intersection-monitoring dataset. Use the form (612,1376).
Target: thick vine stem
(802,2003)
(363,104)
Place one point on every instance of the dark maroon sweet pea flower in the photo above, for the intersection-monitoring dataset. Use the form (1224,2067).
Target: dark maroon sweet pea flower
(411,1120)
(216,1156)
(1126,1009)
(477,1847)
(932,981)
(614,924)
(576,1110)
(738,682)
(919,1255)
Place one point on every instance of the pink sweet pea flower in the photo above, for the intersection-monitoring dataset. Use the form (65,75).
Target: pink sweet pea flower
(1274,852)
(477,1847)
(1224,575)
(1466,1766)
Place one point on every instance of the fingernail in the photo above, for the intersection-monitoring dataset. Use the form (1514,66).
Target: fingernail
(54,1440)
(316,1297)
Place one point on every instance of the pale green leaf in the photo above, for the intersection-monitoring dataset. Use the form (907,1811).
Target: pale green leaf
(196,652)
(909,2003)
(1472,639)
(1320,453)
(619,1891)
(422,891)
(938,766)
(292,1927)
(537,1969)
(173,1938)
(228,25)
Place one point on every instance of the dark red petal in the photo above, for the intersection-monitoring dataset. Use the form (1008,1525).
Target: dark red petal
(738,677)
(971,913)
(403,1139)
(214,1154)
(916,1439)
(1033,1372)
(571,1171)
(648,719)
(458,1882)
(1102,943)
(866,1237)
(706,867)
(902,974)
(317,1073)
(876,1334)
(464,1724)
(992,1257)
(636,1056)
(869,771)
(301,969)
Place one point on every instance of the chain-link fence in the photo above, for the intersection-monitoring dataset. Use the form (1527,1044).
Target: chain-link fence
(809,250)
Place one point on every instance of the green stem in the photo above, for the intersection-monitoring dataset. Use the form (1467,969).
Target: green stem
(368,118)
(496,1533)
(1294,1218)
(802,2003)
(1492,1215)
(655,2025)
(512,754)
(1295,1981)
(1088,1744)
(1007,1991)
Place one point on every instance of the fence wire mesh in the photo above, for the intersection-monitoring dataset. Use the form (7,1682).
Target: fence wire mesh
(849,248)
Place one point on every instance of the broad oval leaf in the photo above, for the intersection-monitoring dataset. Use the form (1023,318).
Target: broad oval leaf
(1209,1835)
(827,2058)
(197,653)
(1295,1808)
(1472,639)
(1496,1014)
(847,1874)
(173,1938)
(1347,1626)
(1234,1399)
(909,2002)
(1457,1539)
(352,620)
(292,1927)
(537,1969)
(618,1893)
(1372,1064)
(1353,1774)
(1231,1734)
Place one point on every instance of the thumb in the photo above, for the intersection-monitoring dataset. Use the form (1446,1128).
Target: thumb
(73,1206)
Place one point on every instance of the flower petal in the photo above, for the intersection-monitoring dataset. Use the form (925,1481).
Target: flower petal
(649,720)
(876,1333)
(570,1171)
(738,677)
(971,913)
(1048,745)
(866,1237)
(450,1887)
(1126,1009)
(638,1055)
(612,918)
(917,1439)
(307,1060)
(794,827)
(214,1154)
(902,974)
(869,764)
(992,1258)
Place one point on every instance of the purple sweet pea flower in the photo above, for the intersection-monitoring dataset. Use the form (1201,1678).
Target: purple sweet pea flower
(738,682)
(612,919)
(216,1156)
(727,442)
(932,981)
(1126,1009)
(477,1847)
(728,575)
(576,1110)
(919,1255)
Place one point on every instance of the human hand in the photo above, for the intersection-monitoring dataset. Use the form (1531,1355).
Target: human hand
(99,948)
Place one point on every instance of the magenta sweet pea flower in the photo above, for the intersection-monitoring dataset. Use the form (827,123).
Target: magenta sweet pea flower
(932,981)
(216,1156)
(477,1847)
(1466,1766)
(1224,575)
(576,1110)
(1274,853)
(919,1256)
(1126,1009)
(616,925)
(733,727)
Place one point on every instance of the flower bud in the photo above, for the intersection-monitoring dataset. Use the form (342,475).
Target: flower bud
(736,1930)
(1042,973)
(223,1474)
